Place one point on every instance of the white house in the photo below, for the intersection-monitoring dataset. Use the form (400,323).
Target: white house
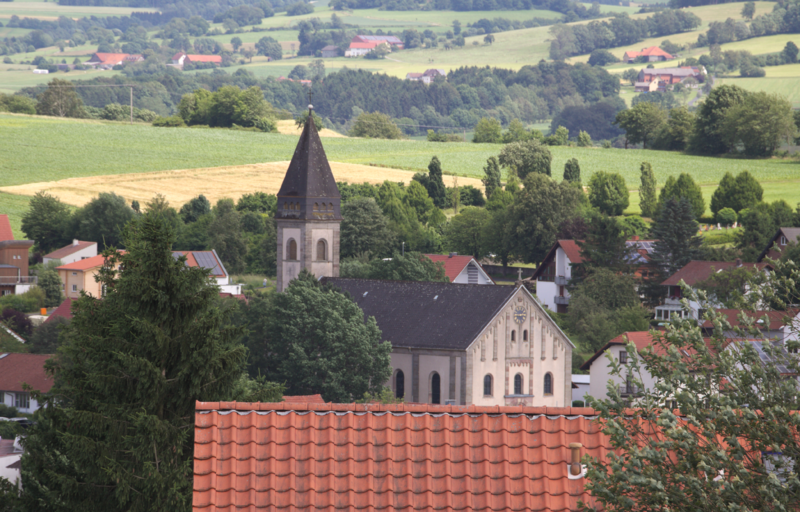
(554,273)
(600,368)
(580,386)
(19,369)
(10,453)
(210,260)
(462,269)
(76,251)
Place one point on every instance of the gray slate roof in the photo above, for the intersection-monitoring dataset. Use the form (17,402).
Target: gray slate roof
(423,314)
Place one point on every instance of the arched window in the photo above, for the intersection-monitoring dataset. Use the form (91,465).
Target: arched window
(316,206)
(525,335)
(399,384)
(548,384)
(518,384)
(513,335)
(291,250)
(435,389)
(487,385)
(285,205)
(322,251)
(330,207)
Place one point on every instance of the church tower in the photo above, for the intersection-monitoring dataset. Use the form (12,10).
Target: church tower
(309,214)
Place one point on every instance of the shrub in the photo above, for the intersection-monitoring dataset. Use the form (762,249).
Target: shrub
(266,124)
(726,216)
(28,302)
(169,122)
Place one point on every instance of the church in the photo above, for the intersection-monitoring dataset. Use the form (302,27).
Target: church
(461,344)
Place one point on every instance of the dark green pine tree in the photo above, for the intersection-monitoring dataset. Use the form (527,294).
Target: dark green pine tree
(604,245)
(676,239)
(648,201)
(493,176)
(572,171)
(435,185)
(116,432)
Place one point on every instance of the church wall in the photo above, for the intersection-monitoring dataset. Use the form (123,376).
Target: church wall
(401,362)
(306,234)
(494,353)
(288,269)
(428,365)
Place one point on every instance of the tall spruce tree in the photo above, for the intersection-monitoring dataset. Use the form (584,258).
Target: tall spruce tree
(675,235)
(435,185)
(491,181)
(648,201)
(572,170)
(604,245)
(683,187)
(116,429)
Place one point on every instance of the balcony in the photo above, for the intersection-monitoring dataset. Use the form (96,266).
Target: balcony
(561,300)
(629,389)
(561,280)
(13,280)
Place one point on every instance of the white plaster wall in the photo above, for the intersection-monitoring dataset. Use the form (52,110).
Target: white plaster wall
(562,266)
(325,267)
(10,474)
(86,252)
(463,277)
(427,365)
(401,362)
(546,292)
(600,373)
(291,269)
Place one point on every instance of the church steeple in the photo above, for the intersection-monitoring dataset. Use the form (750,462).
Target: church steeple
(309,212)
(309,190)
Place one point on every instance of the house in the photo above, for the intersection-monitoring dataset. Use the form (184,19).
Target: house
(14,278)
(427,77)
(209,260)
(580,387)
(10,453)
(306,83)
(671,76)
(109,60)
(778,243)
(647,86)
(330,52)
(17,370)
(290,456)
(653,54)
(76,251)
(553,274)
(467,344)
(389,40)
(80,276)
(181,58)
(461,269)
(64,311)
(773,325)
(358,49)
(693,273)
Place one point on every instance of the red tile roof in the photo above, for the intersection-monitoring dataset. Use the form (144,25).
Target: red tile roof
(697,271)
(572,250)
(641,339)
(304,399)
(777,319)
(88,263)
(19,369)
(274,456)
(64,310)
(217,59)
(5,228)
(648,52)
(70,249)
(109,58)
(453,265)
(369,45)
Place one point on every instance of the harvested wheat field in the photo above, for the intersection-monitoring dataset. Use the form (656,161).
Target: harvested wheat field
(288,127)
(214,182)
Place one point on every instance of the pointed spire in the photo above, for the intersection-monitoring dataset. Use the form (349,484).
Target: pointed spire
(309,177)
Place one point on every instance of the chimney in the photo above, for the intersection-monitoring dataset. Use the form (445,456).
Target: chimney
(75,241)
(635,238)
(738,262)
(575,469)
(453,254)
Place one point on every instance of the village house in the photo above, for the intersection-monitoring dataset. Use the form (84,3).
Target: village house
(392,457)
(14,278)
(671,76)
(779,243)
(76,251)
(427,77)
(599,367)
(652,54)
(330,52)
(181,58)
(359,49)
(461,269)
(16,370)
(10,454)
(390,40)
(109,60)
(211,261)
(80,276)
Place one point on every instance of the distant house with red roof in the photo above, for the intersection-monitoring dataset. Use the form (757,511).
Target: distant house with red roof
(392,457)
(80,276)
(76,251)
(358,48)
(461,269)
(181,58)
(17,370)
(63,311)
(211,261)
(653,54)
(109,60)
(14,278)
(390,40)
(427,77)
(667,77)
(779,242)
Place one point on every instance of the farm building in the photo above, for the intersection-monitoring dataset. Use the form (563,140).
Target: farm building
(653,54)
(330,52)
(451,343)
(109,60)
(672,76)
(427,77)
(358,48)
(390,40)
(14,278)
(76,251)
(181,58)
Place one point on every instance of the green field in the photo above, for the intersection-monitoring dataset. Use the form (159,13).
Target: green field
(51,10)
(37,149)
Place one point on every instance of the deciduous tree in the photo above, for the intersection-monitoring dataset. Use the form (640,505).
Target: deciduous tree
(46,222)
(526,157)
(488,130)
(608,193)
(102,219)
(683,187)
(736,193)
(60,99)
(641,122)
(364,229)
(492,176)
(464,233)
(707,136)
(760,123)
(572,171)
(648,202)
(375,125)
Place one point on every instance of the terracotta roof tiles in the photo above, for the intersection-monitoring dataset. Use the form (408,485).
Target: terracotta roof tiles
(69,249)
(453,265)
(86,264)
(697,271)
(5,228)
(389,457)
(19,369)
(64,310)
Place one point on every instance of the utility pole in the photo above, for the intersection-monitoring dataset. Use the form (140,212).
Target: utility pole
(131,105)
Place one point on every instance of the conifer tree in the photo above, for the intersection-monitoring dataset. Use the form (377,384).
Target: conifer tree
(647,191)
(605,246)
(436,188)
(675,235)
(116,429)
(683,187)
(491,181)
(572,171)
